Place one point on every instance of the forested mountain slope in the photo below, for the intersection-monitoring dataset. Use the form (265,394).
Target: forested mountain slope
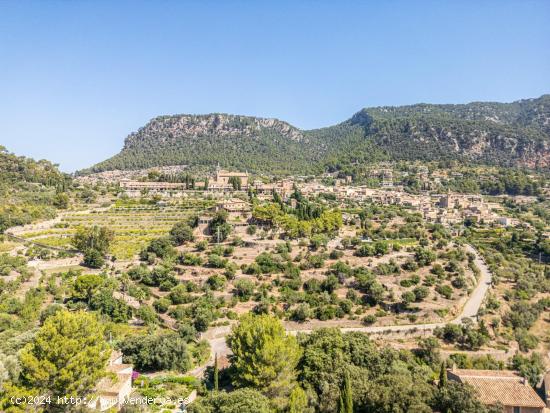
(241,142)
(495,133)
(516,133)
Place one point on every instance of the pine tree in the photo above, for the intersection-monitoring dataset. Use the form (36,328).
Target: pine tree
(67,356)
(257,343)
(216,372)
(297,401)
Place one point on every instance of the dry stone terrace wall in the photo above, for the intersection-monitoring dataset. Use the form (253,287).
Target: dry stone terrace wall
(134,225)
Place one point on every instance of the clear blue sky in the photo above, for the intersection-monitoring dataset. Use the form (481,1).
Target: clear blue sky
(77,76)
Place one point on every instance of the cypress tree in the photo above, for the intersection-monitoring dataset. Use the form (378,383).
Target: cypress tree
(347,396)
(341,407)
(442,376)
(345,404)
(216,372)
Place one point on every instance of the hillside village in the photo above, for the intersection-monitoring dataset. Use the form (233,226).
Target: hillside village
(394,254)
(444,208)
(238,195)
(443,266)
(275,207)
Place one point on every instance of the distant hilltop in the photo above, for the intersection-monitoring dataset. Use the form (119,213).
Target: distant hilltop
(505,134)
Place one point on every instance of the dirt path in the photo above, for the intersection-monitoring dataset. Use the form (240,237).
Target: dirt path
(218,347)
(475,300)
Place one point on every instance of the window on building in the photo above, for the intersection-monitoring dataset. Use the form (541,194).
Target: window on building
(517,410)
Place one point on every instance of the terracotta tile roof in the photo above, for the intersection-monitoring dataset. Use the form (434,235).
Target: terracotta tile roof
(486,373)
(506,392)
(222,172)
(109,386)
(499,386)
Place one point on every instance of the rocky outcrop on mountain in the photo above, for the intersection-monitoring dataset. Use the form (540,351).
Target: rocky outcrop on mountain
(173,129)
(512,134)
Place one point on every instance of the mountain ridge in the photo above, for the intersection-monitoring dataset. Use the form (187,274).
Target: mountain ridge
(512,134)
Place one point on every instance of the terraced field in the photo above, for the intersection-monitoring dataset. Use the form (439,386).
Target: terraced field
(133,223)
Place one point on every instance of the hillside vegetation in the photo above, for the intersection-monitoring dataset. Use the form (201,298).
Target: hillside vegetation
(516,133)
(29,189)
(512,134)
(238,141)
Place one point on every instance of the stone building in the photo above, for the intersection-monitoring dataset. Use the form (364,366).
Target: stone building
(266,191)
(239,211)
(223,178)
(234,206)
(137,188)
(113,389)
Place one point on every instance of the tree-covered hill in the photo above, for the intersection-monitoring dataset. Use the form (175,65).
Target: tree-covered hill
(29,189)
(516,133)
(240,142)
(22,170)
